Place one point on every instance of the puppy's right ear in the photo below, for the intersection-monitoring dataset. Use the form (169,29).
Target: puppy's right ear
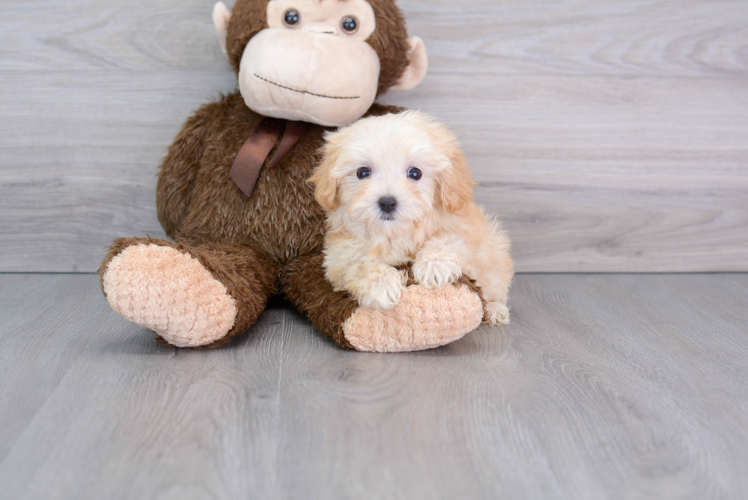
(326,185)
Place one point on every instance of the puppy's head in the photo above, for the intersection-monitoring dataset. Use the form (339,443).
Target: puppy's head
(388,171)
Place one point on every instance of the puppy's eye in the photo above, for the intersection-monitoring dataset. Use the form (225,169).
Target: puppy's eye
(349,24)
(291,18)
(415,174)
(363,173)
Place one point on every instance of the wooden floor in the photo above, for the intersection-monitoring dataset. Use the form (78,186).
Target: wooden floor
(604,386)
(610,136)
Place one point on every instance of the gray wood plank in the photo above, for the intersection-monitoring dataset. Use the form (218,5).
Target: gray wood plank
(48,322)
(84,35)
(687,38)
(605,183)
(604,386)
(609,136)
(606,174)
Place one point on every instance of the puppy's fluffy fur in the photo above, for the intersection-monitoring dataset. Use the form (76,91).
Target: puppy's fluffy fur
(434,225)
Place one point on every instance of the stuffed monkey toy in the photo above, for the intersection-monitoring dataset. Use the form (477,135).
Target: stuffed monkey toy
(234,197)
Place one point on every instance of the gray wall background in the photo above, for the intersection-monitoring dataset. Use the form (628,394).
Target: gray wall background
(609,136)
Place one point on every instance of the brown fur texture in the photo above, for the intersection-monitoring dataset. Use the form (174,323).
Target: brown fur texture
(270,242)
(390,40)
(305,285)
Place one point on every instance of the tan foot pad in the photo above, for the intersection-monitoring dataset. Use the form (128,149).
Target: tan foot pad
(171,293)
(425,318)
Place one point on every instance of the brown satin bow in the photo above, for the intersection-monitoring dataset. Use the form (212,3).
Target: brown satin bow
(257,149)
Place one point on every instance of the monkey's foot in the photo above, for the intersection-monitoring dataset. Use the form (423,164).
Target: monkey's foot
(423,319)
(171,293)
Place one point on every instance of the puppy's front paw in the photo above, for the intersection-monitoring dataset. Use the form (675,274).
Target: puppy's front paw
(383,289)
(436,270)
(496,314)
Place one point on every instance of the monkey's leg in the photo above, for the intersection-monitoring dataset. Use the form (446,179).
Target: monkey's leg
(190,296)
(423,319)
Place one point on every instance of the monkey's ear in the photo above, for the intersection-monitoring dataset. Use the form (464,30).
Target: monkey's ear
(221,16)
(417,66)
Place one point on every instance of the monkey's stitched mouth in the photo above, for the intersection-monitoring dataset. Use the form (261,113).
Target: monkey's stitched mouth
(305,91)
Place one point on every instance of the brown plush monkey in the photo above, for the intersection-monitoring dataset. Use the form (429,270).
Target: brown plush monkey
(233,191)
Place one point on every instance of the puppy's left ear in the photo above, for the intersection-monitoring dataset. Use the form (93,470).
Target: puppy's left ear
(455,183)
(326,185)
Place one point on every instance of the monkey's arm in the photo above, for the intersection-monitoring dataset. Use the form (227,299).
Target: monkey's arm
(180,165)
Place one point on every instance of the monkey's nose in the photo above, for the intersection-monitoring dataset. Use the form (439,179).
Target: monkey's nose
(387,204)
(319,28)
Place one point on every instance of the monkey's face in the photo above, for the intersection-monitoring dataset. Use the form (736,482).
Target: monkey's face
(313,62)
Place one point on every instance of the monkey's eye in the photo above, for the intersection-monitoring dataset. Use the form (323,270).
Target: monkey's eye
(291,18)
(349,24)
(415,174)
(363,173)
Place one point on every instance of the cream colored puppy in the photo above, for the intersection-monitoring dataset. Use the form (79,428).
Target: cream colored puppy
(397,190)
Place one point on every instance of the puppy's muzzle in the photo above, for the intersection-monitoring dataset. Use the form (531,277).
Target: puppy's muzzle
(387,204)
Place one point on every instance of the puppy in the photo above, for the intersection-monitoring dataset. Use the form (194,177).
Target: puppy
(397,191)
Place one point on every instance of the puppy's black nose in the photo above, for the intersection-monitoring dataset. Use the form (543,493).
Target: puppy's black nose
(388,204)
